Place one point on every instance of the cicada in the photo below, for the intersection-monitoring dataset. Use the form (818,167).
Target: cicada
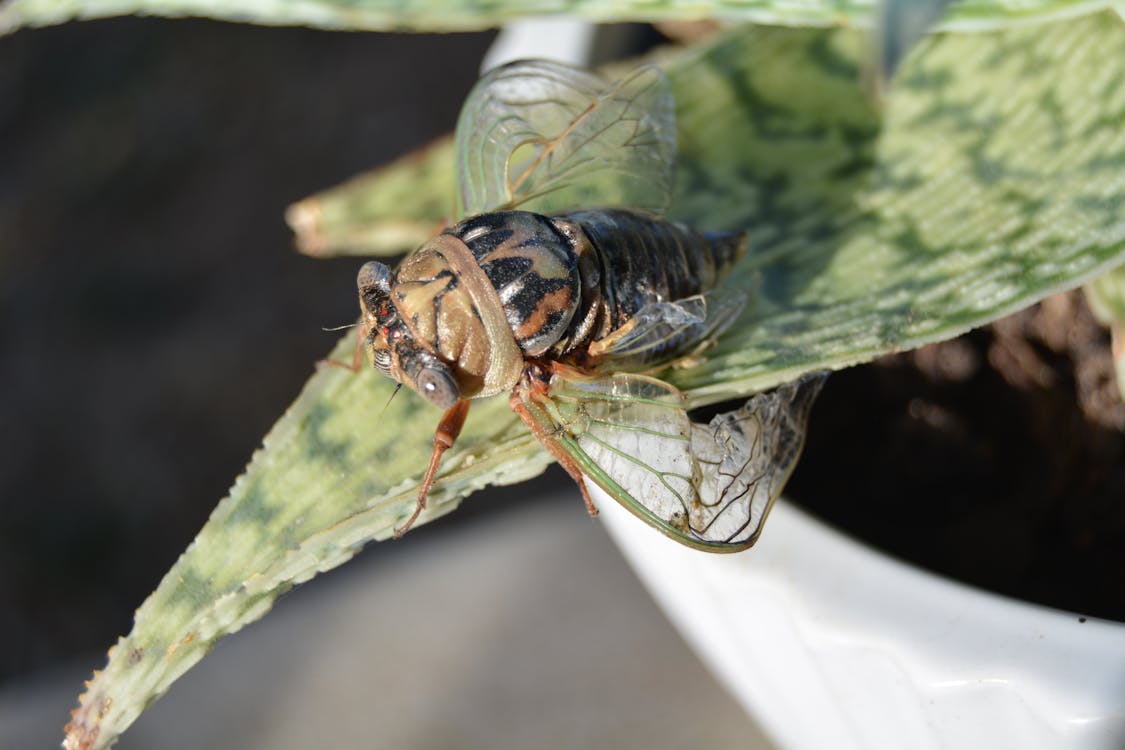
(564,288)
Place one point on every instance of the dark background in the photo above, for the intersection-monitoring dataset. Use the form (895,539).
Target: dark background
(154,317)
(155,321)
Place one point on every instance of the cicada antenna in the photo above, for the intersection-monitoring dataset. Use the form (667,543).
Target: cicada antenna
(356,355)
(398,387)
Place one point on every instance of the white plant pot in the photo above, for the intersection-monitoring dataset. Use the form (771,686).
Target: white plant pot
(828,643)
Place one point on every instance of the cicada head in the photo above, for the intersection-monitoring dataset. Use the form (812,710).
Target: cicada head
(392,349)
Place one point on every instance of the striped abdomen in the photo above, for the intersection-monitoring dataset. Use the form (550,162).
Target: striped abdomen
(638,261)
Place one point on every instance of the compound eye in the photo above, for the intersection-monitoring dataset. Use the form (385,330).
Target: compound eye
(373,276)
(438,387)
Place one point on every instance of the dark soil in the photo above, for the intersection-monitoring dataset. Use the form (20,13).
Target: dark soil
(997,458)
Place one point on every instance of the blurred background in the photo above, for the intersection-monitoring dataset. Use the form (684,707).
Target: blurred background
(155,321)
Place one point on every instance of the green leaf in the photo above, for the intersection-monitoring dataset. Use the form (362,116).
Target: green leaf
(458,15)
(990,178)
(382,212)
(339,469)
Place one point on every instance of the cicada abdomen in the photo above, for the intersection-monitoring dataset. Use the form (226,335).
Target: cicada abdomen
(635,266)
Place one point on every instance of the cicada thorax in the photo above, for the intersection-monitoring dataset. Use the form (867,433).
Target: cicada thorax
(489,293)
(533,265)
(630,260)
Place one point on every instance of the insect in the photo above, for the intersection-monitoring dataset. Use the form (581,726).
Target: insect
(572,310)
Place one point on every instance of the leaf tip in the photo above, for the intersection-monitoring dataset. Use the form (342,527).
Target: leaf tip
(304,218)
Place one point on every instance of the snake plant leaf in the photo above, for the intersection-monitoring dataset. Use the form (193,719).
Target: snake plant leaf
(990,177)
(457,15)
(383,212)
(326,481)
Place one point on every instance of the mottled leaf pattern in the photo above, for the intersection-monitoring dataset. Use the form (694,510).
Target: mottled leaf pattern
(971,196)
(462,15)
(339,469)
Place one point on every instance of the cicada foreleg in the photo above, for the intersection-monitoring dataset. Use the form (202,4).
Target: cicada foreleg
(444,437)
(523,400)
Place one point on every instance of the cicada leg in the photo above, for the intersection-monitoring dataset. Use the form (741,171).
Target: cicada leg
(444,436)
(548,439)
(357,355)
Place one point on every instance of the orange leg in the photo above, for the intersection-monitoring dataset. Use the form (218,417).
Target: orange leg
(549,442)
(446,434)
(357,355)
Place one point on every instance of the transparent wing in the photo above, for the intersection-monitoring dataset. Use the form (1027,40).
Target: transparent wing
(709,486)
(747,456)
(662,331)
(547,137)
